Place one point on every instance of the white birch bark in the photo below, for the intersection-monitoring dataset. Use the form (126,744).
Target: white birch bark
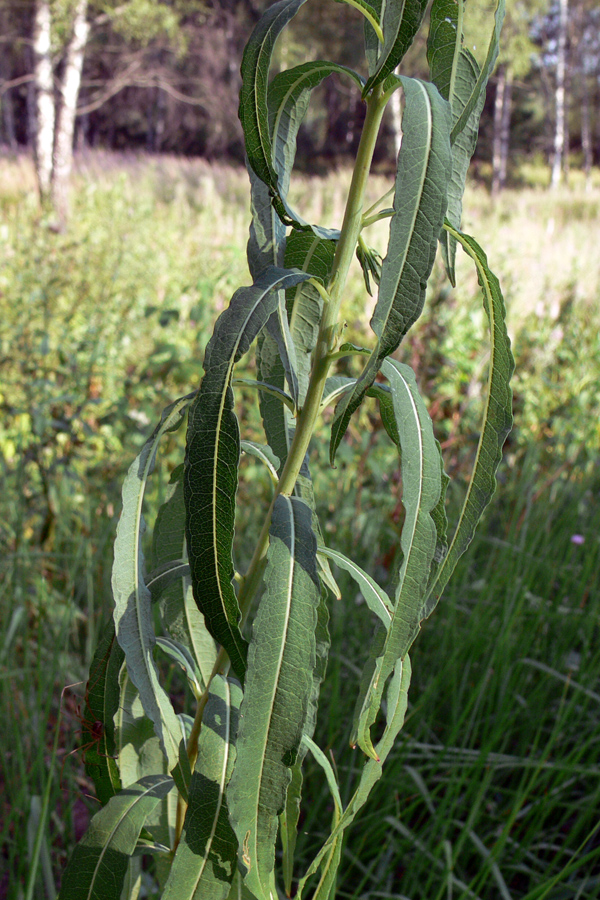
(497,142)
(396,111)
(65,123)
(44,97)
(561,72)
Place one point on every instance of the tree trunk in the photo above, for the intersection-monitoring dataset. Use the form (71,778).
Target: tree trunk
(505,130)
(44,98)
(65,121)
(561,70)
(586,128)
(497,142)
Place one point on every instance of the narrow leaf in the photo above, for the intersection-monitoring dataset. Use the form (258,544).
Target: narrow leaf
(101,704)
(401,21)
(444,44)
(421,491)
(132,614)
(98,866)
(397,702)
(484,74)
(205,861)
(497,417)
(253,110)
(264,454)
(424,169)
(212,459)
(281,662)
(376,598)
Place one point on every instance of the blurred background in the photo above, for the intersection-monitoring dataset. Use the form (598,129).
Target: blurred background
(124,210)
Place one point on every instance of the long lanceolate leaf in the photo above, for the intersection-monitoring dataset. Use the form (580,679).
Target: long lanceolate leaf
(212,458)
(132,614)
(424,169)
(397,702)
(497,418)
(401,21)
(455,72)
(253,110)
(279,683)
(421,490)
(486,69)
(98,866)
(206,858)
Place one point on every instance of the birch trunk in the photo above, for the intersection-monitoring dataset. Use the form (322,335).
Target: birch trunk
(65,123)
(561,71)
(396,111)
(497,143)
(44,98)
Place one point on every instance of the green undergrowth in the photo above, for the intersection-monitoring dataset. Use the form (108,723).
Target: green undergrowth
(493,789)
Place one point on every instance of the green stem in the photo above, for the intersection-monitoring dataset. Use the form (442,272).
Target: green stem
(307,418)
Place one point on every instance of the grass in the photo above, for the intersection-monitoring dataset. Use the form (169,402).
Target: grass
(492,790)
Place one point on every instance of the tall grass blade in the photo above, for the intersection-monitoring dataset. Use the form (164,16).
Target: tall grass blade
(497,418)
(421,491)
(206,858)
(132,613)
(424,170)
(401,21)
(98,866)
(212,459)
(281,662)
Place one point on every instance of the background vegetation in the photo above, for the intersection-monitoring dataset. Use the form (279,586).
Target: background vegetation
(493,790)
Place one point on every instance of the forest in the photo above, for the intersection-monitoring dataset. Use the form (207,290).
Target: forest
(131,223)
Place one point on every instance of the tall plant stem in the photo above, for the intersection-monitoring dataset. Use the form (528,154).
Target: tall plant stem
(307,418)
(324,354)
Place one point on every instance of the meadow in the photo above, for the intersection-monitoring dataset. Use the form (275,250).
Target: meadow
(493,789)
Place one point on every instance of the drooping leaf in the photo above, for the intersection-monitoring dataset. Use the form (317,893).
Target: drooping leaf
(401,21)
(132,613)
(281,662)
(212,459)
(444,44)
(496,423)
(291,812)
(253,109)
(314,255)
(98,866)
(372,43)
(101,704)
(206,858)
(330,862)
(288,98)
(397,701)
(171,582)
(137,747)
(264,454)
(279,329)
(421,491)
(184,659)
(424,169)
(376,598)
(462,151)
(486,69)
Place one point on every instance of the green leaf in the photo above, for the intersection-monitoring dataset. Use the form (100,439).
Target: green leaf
(253,110)
(372,43)
(132,614)
(331,861)
(98,866)
(497,418)
(487,67)
(138,748)
(182,656)
(281,395)
(101,704)
(444,44)
(424,169)
(397,702)
(311,254)
(401,21)
(212,459)
(205,861)
(266,243)
(462,151)
(370,11)
(288,98)
(279,684)
(376,598)
(421,491)
(279,329)
(264,454)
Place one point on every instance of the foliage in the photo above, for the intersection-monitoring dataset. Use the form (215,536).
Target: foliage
(209,793)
